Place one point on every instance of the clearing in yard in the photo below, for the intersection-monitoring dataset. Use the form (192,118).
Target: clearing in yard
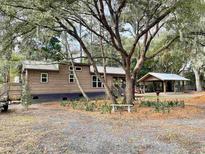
(51,128)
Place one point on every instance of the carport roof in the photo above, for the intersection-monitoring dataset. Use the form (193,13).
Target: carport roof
(163,77)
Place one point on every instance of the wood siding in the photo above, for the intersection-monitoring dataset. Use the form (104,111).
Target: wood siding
(11,91)
(58,81)
(15,91)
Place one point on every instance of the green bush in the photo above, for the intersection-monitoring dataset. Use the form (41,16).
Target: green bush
(74,104)
(81,105)
(105,108)
(78,104)
(162,106)
(90,106)
(64,103)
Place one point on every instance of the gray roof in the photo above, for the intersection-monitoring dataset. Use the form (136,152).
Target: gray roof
(109,70)
(165,77)
(40,65)
(52,66)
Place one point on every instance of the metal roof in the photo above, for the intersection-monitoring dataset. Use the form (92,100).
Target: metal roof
(164,77)
(40,65)
(52,66)
(109,70)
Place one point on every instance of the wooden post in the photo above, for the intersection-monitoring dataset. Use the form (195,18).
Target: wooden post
(113,108)
(26,77)
(161,88)
(128,109)
(165,86)
(183,89)
(143,87)
(174,86)
(179,84)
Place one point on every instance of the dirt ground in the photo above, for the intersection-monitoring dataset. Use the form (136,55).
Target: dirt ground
(50,128)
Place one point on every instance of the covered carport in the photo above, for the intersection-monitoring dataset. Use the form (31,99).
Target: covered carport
(165,80)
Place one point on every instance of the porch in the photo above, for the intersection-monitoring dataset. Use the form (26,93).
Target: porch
(10,91)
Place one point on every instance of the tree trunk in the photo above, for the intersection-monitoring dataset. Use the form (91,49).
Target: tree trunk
(110,95)
(78,82)
(104,60)
(136,70)
(197,79)
(74,71)
(134,78)
(81,50)
(129,88)
(91,60)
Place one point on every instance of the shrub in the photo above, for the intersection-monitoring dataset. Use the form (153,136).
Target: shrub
(90,106)
(105,108)
(64,103)
(26,98)
(162,106)
(74,104)
(82,104)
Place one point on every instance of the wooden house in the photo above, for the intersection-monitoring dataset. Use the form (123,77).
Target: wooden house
(53,81)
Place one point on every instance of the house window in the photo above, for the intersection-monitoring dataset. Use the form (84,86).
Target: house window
(71,68)
(96,83)
(44,77)
(71,78)
(78,68)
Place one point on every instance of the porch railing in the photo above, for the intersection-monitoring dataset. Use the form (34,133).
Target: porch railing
(10,91)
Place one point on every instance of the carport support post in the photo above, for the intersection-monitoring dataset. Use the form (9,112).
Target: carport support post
(26,78)
(143,87)
(183,87)
(174,86)
(165,86)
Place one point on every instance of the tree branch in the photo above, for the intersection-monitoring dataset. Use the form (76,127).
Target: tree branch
(156,21)
(162,48)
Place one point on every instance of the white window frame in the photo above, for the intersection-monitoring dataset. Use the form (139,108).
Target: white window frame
(97,81)
(69,78)
(44,77)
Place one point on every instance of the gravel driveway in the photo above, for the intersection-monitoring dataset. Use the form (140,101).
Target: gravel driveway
(48,130)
